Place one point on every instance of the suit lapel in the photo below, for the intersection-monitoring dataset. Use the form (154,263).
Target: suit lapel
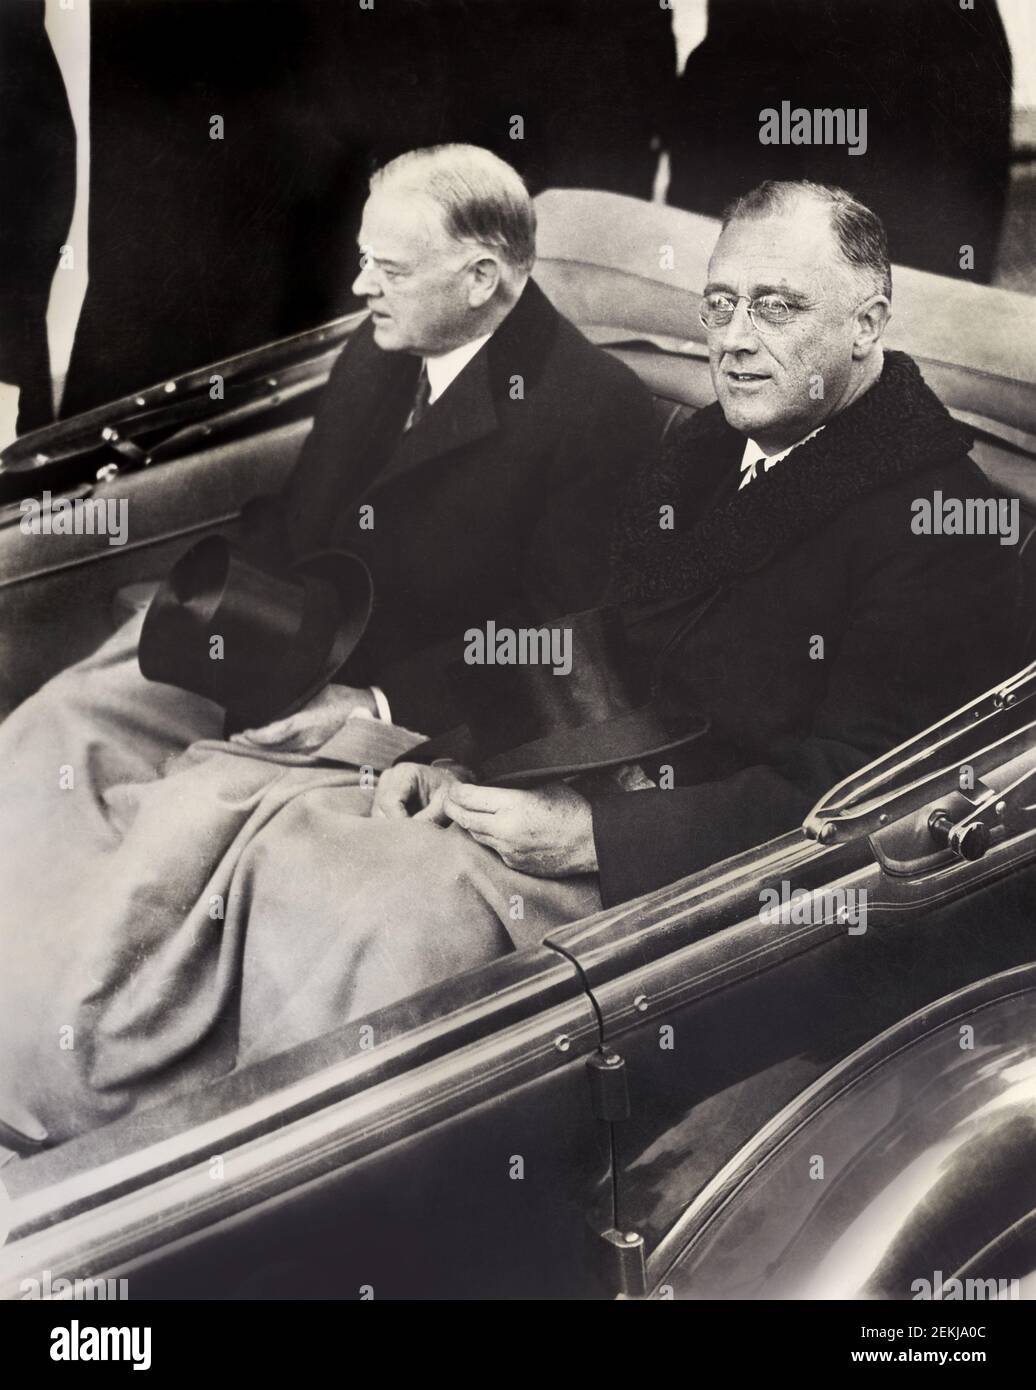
(381,389)
(467,411)
(463,414)
(896,428)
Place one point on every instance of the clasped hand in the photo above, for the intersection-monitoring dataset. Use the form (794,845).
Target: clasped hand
(546,832)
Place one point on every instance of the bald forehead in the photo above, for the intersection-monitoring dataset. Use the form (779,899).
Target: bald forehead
(792,251)
(402,222)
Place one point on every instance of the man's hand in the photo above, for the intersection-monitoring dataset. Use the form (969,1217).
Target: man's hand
(414,791)
(314,724)
(547,832)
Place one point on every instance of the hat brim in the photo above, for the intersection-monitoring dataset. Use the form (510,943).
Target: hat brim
(632,737)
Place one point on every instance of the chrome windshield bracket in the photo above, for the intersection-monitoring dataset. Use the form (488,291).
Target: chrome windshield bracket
(982,735)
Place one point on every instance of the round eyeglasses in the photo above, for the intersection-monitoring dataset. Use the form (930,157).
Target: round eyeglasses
(768,311)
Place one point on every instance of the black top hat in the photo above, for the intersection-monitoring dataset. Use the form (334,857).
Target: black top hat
(283,636)
(526,723)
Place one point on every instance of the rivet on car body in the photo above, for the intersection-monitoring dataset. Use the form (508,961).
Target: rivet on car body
(1001,808)
(139,400)
(109,435)
(641,1003)
(562,1042)
(169,387)
(631,1237)
(828,831)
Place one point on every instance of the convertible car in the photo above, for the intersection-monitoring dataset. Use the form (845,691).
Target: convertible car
(683,1097)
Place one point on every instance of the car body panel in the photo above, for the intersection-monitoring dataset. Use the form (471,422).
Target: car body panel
(716,1046)
(723,1012)
(513,1048)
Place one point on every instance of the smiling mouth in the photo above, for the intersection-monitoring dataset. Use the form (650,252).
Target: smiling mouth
(747,376)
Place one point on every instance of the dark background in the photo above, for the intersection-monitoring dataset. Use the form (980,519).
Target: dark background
(199,248)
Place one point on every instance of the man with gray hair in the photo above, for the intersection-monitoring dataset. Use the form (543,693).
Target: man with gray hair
(794,605)
(792,623)
(468,446)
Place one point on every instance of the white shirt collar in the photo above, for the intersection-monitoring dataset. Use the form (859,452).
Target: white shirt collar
(444,369)
(753,456)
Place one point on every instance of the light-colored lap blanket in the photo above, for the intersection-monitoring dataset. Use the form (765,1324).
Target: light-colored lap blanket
(174,908)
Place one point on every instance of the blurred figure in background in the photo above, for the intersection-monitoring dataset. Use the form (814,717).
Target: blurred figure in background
(936,82)
(591,79)
(37,190)
(202,247)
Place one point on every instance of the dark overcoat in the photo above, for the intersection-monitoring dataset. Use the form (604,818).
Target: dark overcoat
(498,504)
(803,616)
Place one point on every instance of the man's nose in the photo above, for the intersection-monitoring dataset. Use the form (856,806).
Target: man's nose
(739,334)
(366,283)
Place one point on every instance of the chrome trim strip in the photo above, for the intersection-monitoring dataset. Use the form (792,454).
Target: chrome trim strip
(86,426)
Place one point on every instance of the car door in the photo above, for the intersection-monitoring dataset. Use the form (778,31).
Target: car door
(448,1146)
(718,1008)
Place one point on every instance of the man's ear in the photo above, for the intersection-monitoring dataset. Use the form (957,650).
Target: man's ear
(870,320)
(483,278)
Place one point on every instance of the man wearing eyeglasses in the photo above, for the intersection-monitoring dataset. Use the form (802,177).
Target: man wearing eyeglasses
(780,367)
(772,578)
(469,444)
(781,607)
(777,596)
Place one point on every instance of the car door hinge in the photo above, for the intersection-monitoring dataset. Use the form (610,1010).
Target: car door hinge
(625,1272)
(609,1091)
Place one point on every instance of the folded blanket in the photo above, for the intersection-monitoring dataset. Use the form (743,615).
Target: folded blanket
(182,905)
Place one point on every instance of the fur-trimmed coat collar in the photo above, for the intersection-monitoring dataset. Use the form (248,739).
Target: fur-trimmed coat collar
(896,428)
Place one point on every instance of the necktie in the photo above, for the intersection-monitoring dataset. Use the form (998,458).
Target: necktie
(421,401)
